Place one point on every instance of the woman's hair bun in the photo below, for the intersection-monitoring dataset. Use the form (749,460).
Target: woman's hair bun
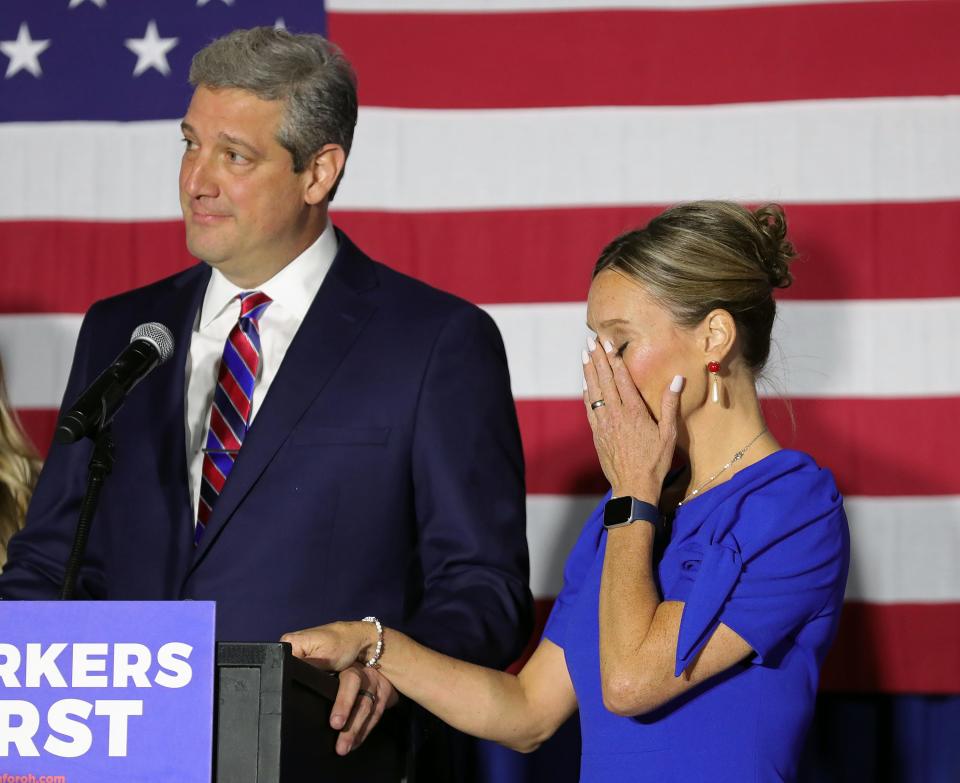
(776,251)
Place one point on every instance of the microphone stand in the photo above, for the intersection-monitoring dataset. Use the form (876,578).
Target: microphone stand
(101,463)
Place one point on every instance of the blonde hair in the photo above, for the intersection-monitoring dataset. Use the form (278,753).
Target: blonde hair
(19,468)
(709,255)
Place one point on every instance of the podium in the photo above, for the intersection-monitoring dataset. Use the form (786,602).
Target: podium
(273,723)
(139,692)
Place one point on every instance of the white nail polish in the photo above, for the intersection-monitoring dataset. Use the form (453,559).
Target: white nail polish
(608,346)
(585,357)
(677,383)
(591,343)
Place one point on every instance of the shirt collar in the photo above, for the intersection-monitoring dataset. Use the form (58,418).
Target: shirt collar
(293,287)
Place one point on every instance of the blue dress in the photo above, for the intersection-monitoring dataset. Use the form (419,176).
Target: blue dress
(766,553)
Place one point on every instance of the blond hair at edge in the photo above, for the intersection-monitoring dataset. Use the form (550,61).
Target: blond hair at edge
(708,255)
(19,468)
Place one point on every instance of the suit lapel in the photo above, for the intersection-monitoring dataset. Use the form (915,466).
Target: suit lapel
(178,311)
(334,321)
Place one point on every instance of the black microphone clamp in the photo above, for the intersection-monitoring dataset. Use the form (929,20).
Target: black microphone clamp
(150,345)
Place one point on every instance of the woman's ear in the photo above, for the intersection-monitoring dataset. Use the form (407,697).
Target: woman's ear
(719,335)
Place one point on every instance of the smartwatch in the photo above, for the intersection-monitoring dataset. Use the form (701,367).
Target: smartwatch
(619,512)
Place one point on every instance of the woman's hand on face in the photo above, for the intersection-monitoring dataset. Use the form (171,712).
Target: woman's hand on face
(635,451)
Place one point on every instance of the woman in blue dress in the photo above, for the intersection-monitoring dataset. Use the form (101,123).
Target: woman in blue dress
(703,593)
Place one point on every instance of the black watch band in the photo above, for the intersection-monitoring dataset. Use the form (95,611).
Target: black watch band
(627,510)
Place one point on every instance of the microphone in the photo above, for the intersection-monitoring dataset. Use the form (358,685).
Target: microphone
(150,345)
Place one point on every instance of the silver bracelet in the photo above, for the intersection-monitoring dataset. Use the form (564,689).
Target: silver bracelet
(374,662)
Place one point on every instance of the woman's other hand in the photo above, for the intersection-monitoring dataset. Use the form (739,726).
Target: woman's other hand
(334,646)
(363,693)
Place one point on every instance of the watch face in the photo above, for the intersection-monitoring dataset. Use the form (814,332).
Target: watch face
(617,511)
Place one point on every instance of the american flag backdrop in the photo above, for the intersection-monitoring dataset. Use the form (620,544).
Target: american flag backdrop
(500,145)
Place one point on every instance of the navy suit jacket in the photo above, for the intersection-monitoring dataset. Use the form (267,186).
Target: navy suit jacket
(382,475)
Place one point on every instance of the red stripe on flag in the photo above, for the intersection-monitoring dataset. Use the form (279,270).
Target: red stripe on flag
(896,648)
(652,57)
(848,251)
(39,424)
(53,266)
(861,441)
(893,648)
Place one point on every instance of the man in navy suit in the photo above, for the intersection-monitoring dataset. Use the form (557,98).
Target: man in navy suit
(373,465)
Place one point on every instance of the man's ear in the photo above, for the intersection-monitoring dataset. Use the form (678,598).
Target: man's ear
(718,333)
(323,172)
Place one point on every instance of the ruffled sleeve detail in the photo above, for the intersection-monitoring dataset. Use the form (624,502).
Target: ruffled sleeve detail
(705,587)
(765,563)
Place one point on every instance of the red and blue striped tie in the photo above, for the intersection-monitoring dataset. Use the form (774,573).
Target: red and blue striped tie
(232,403)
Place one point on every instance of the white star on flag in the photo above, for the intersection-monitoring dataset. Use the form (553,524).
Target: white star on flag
(24,53)
(97,3)
(204,2)
(151,50)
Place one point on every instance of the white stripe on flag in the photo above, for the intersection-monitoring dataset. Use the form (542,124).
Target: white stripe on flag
(903,549)
(823,349)
(90,170)
(554,523)
(896,149)
(37,351)
(813,151)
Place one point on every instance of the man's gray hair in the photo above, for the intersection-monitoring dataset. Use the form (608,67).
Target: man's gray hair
(305,71)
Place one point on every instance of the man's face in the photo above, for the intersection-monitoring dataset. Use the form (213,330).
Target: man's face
(244,208)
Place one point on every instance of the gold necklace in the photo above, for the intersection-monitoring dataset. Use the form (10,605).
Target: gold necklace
(736,458)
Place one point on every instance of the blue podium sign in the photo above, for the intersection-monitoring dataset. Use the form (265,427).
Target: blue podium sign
(103,691)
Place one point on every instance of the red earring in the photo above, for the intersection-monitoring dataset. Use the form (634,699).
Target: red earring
(714,369)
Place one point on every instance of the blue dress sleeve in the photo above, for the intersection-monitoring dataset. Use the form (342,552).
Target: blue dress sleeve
(776,559)
(575,570)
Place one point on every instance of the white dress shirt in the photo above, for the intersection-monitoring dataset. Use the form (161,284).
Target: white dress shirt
(292,290)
